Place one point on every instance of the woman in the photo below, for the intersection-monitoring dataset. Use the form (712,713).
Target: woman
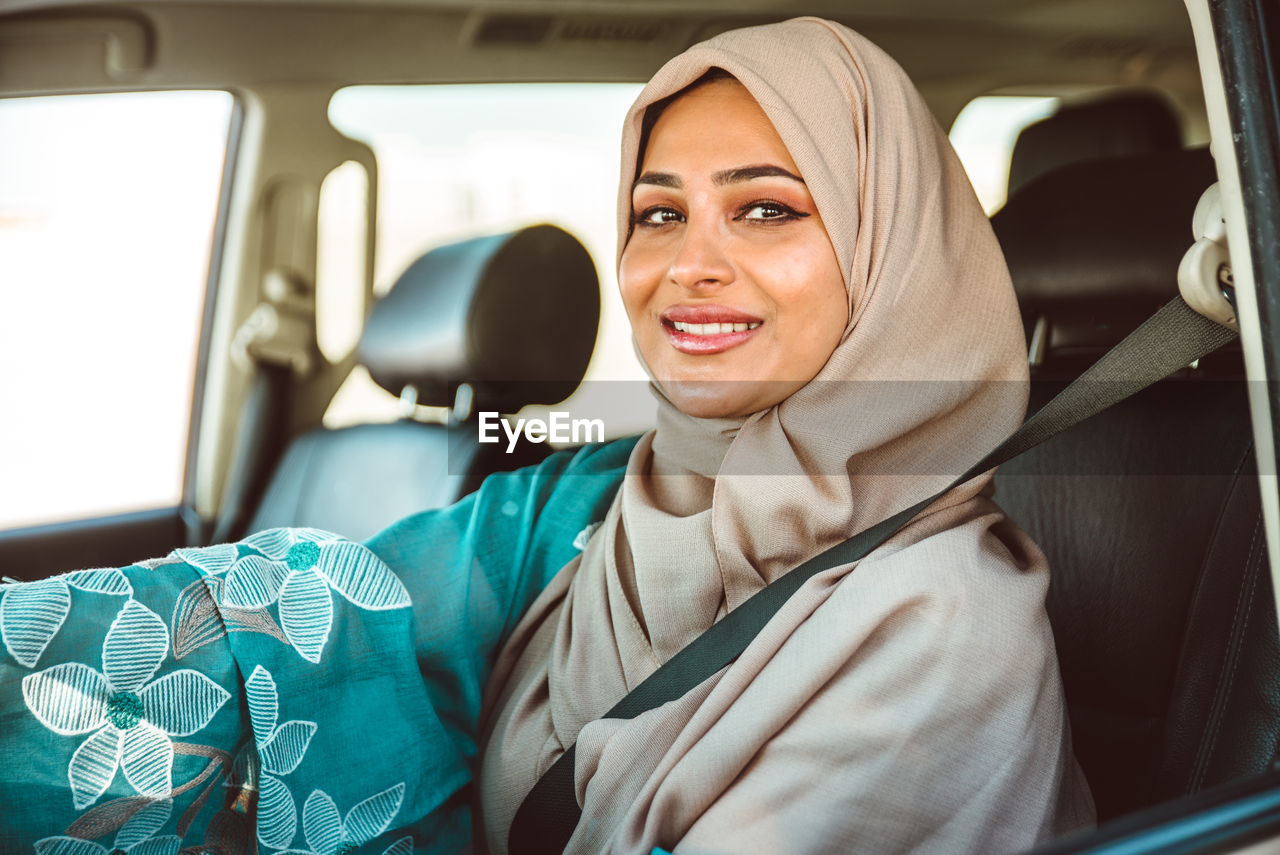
(309,694)
(910,703)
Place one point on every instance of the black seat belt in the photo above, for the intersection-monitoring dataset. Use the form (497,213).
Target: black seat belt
(1169,340)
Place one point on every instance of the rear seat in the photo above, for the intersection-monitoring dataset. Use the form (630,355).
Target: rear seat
(1160,593)
(1131,122)
(513,317)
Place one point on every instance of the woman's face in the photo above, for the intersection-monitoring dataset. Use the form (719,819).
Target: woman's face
(730,281)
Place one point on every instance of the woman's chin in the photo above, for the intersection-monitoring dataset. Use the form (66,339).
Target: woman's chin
(720,399)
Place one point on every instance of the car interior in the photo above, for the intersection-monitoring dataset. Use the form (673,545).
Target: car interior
(1152,514)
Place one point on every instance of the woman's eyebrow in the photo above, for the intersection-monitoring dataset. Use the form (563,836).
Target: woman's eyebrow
(661,179)
(746,173)
(724,176)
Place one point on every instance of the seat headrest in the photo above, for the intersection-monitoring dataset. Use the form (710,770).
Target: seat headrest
(1094,247)
(512,315)
(1122,124)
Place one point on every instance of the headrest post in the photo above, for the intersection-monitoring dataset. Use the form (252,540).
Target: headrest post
(1039,342)
(408,401)
(462,401)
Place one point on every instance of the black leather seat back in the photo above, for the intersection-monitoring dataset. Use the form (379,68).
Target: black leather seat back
(513,316)
(1159,596)
(1125,123)
(1138,511)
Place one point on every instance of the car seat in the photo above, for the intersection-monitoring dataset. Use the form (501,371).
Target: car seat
(490,324)
(1160,594)
(1123,123)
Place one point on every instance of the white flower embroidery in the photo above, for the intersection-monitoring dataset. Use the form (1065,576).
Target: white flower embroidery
(280,749)
(133,838)
(129,716)
(329,833)
(584,537)
(296,569)
(31,613)
(403,846)
(211,560)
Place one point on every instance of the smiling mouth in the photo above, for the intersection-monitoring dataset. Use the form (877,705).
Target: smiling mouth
(712,329)
(702,339)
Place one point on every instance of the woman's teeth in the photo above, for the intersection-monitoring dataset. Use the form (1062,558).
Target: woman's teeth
(712,329)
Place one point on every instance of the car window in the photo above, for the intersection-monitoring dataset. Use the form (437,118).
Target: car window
(455,161)
(983,135)
(107,210)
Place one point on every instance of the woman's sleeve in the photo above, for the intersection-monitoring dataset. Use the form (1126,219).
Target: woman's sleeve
(473,570)
(294,691)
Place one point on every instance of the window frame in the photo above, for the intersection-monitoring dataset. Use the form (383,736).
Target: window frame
(44,547)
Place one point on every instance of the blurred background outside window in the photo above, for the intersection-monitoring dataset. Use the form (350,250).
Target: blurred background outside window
(107,209)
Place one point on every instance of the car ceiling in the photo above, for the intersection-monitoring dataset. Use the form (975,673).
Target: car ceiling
(953,51)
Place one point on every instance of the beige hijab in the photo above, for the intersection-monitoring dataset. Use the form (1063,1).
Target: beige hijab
(910,703)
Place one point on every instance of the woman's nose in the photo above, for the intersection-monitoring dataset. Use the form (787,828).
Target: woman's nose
(701,260)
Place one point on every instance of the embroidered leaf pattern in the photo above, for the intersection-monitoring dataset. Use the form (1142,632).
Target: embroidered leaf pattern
(195,619)
(361,577)
(144,823)
(157,846)
(146,758)
(132,721)
(30,616)
(274,543)
(124,710)
(328,833)
(282,754)
(280,751)
(306,613)
(403,846)
(182,702)
(264,705)
(293,568)
(93,765)
(277,816)
(136,645)
(199,620)
(252,620)
(134,838)
(104,580)
(153,563)
(68,846)
(212,560)
(321,823)
(253,582)
(371,817)
(69,699)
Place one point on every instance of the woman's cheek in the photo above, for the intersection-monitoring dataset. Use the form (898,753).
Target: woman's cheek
(638,276)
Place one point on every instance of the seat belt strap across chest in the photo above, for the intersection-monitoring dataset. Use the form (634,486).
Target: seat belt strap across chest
(1169,340)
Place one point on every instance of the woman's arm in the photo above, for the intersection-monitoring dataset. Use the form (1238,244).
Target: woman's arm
(473,569)
(294,688)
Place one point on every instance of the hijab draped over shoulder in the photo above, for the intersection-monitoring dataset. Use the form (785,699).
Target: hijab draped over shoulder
(910,702)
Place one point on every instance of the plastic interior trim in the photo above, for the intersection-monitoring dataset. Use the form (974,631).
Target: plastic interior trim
(1218,820)
(196,529)
(1246,296)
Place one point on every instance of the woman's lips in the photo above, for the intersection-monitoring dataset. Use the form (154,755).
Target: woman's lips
(707,329)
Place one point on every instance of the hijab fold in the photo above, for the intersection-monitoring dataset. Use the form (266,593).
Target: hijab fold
(914,704)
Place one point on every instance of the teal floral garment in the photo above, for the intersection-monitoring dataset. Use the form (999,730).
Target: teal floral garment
(291,693)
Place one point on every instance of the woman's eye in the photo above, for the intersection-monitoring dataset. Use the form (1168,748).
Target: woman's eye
(768,212)
(657,216)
